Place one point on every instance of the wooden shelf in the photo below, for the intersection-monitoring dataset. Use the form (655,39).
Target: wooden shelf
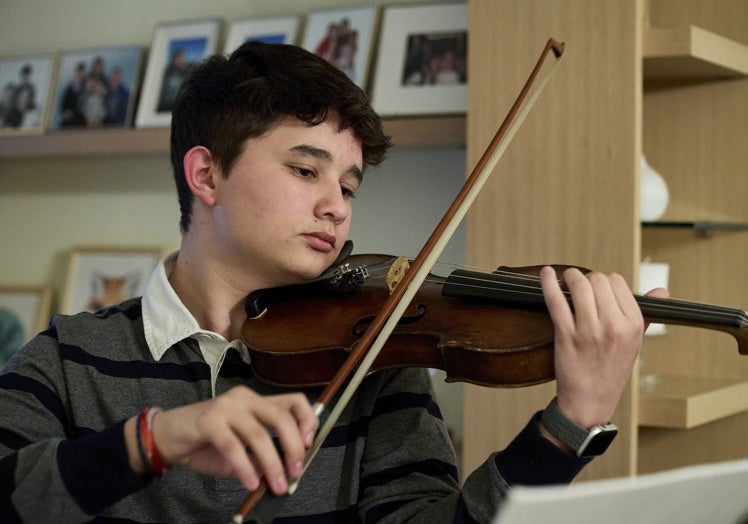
(425,131)
(86,142)
(686,402)
(705,227)
(692,53)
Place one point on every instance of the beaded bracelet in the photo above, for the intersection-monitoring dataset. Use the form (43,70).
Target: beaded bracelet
(149,454)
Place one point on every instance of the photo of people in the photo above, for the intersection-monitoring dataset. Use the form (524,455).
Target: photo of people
(343,38)
(96,88)
(271,30)
(435,59)
(421,64)
(24,90)
(182,55)
(175,50)
(338,46)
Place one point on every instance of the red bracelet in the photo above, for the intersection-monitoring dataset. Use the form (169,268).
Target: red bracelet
(145,436)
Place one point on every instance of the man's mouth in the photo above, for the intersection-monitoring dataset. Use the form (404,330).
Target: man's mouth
(321,241)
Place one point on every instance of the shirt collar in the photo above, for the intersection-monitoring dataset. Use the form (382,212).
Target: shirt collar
(166,321)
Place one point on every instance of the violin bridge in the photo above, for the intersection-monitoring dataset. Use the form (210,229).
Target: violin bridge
(396,272)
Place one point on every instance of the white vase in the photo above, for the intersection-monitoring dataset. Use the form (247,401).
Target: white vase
(653,192)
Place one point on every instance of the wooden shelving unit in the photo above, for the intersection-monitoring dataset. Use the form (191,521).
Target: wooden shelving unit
(694,82)
(661,77)
(431,131)
(676,56)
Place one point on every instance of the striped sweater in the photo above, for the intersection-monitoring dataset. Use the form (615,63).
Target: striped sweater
(65,396)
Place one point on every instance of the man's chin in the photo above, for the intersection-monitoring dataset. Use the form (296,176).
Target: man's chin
(310,272)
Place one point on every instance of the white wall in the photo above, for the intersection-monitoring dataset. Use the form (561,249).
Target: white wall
(49,205)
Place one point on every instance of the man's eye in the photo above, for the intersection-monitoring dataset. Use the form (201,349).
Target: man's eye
(348,192)
(303,172)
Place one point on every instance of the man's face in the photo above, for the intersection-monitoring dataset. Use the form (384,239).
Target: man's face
(284,210)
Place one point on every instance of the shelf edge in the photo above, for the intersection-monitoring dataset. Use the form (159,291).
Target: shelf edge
(416,131)
(687,402)
(684,52)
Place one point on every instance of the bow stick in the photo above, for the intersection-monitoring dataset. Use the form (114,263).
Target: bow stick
(365,352)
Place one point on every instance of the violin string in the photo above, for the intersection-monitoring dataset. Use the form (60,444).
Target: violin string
(383,267)
(529,285)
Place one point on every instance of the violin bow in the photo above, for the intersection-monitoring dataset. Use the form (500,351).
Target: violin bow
(366,350)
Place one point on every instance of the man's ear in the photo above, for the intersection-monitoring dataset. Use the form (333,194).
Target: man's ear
(199,171)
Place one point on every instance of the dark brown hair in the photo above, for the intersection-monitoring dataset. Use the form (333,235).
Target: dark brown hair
(227,100)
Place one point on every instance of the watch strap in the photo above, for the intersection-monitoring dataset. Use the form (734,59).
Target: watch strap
(585,442)
(561,427)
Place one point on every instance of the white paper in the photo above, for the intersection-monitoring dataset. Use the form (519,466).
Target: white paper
(706,494)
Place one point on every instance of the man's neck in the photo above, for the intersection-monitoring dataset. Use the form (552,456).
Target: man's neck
(216,302)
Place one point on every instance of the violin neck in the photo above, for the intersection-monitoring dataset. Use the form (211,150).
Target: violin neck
(524,291)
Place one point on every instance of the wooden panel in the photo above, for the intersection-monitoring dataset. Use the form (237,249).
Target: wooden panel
(565,190)
(706,270)
(723,17)
(661,449)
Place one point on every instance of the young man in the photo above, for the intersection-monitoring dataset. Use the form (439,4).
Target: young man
(268,147)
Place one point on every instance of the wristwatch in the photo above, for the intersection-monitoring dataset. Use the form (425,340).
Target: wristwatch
(586,443)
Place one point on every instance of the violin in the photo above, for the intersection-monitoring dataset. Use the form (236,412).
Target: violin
(489,329)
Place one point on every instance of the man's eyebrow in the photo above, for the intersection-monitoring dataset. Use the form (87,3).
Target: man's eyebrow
(325,155)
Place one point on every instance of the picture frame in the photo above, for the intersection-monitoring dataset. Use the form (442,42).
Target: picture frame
(271,30)
(24,312)
(96,87)
(344,37)
(421,65)
(175,49)
(25,92)
(98,277)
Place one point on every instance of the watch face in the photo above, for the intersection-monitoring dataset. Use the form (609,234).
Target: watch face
(598,441)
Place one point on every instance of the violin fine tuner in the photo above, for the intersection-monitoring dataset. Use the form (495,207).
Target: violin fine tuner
(349,279)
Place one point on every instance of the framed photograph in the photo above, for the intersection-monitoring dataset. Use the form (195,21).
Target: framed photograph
(26,83)
(275,30)
(24,312)
(100,277)
(344,37)
(422,61)
(176,48)
(96,87)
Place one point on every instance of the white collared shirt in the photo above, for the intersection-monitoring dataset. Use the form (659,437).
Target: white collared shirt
(166,321)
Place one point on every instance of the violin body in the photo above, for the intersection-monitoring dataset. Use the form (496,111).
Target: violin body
(306,332)
(485,329)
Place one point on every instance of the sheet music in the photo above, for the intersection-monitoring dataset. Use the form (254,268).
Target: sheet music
(706,494)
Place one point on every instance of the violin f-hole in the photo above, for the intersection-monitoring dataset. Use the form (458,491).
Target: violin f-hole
(361,325)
